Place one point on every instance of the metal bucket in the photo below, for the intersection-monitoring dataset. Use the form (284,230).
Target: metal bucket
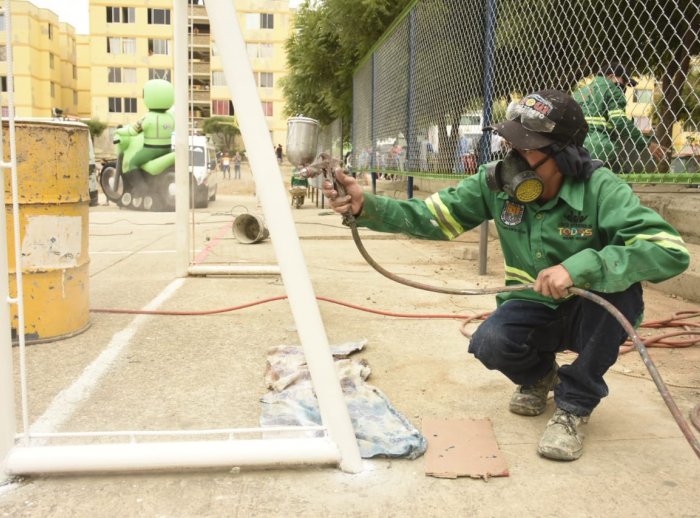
(249,229)
(302,140)
(52,171)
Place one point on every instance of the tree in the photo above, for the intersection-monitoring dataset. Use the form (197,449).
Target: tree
(96,127)
(223,130)
(329,41)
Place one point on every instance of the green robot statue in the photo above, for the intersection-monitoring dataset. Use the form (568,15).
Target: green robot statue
(157,125)
(143,175)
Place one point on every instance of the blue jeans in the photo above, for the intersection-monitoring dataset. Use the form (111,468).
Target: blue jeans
(521,338)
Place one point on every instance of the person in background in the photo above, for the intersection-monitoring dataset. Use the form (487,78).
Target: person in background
(278,153)
(563,220)
(237,166)
(604,103)
(226,165)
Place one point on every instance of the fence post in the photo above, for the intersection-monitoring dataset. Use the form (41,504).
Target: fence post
(373,131)
(411,141)
(485,147)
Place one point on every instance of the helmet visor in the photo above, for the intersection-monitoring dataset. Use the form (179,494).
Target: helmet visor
(530,118)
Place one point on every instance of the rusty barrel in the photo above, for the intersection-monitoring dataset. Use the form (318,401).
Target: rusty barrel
(52,171)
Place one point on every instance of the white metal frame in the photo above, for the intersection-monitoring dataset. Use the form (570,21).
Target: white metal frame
(337,446)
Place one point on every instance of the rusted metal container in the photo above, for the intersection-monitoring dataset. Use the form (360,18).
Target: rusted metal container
(52,170)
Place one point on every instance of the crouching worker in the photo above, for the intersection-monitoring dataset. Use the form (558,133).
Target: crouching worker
(563,220)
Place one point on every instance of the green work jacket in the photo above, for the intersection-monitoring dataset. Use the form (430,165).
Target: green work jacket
(157,129)
(603,105)
(597,229)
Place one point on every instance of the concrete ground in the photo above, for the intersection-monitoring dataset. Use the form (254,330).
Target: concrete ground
(196,372)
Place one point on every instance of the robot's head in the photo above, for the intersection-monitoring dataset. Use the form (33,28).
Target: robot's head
(158,94)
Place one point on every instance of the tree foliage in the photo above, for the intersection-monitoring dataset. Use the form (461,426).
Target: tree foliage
(223,130)
(329,40)
(96,127)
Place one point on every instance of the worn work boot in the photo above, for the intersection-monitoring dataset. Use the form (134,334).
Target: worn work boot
(531,400)
(562,439)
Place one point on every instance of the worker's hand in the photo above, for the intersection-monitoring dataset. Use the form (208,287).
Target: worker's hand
(354,199)
(554,282)
(657,151)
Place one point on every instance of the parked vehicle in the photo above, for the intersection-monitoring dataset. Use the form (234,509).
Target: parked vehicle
(92,174)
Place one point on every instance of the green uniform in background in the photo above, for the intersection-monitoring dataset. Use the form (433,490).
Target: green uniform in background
(597,229)
(603,105)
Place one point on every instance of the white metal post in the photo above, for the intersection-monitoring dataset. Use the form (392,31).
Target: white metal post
(7,385)
(182,131)
(225,28)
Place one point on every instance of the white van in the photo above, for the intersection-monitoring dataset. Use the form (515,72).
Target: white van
(203,170)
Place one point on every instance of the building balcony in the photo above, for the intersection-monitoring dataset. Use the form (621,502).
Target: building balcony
(200,97)
(200,68)
(199,40)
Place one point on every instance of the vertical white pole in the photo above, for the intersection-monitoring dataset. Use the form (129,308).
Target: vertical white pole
(182,183)
(223,20)
(7,385)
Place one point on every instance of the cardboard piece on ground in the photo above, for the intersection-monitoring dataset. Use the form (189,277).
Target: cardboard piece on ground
(462,447)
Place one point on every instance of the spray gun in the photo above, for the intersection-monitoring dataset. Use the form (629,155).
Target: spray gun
(302,143)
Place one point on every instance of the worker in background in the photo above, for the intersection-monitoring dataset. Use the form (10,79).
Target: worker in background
(604,103)
(563,220)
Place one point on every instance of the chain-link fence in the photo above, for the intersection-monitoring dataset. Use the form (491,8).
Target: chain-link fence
(448,68)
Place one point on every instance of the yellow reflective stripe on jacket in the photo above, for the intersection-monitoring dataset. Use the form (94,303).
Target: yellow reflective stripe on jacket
(521,276)
(598,121)
(616,113)
(663,239)
(446,222)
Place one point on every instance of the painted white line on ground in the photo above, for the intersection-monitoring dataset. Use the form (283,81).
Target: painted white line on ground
(127,252)
(67,401)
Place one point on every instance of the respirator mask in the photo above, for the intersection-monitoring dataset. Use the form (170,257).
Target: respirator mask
(516,177)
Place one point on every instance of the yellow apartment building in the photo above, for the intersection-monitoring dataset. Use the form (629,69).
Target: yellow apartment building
(45,62)
(131,41)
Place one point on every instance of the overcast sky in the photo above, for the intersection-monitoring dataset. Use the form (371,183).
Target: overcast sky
(75,12)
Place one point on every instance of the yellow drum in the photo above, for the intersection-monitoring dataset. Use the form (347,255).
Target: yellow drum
(52,170)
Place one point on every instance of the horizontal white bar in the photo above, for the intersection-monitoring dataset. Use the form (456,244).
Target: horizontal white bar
(27,460)
(233,269)
(6,165)
(155,433)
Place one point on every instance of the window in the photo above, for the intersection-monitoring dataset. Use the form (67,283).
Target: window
(259,50)
(75,72)
(2,21)
(52,87)
(51,58)
(3,83)
(75,97)
(129,104)
(115,104)
(50,31)
(129,45)
(121,15)
(643,96)
(121,45)
(159,16)
(121,75)
(159,73)
(643,123)
(267,21)
(218,78)
(3,53)
(5,111)
(264,79)
(119,105)
(267,108)
(222,107)
(158,46)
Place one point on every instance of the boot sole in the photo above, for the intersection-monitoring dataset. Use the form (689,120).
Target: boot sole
(557,454)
